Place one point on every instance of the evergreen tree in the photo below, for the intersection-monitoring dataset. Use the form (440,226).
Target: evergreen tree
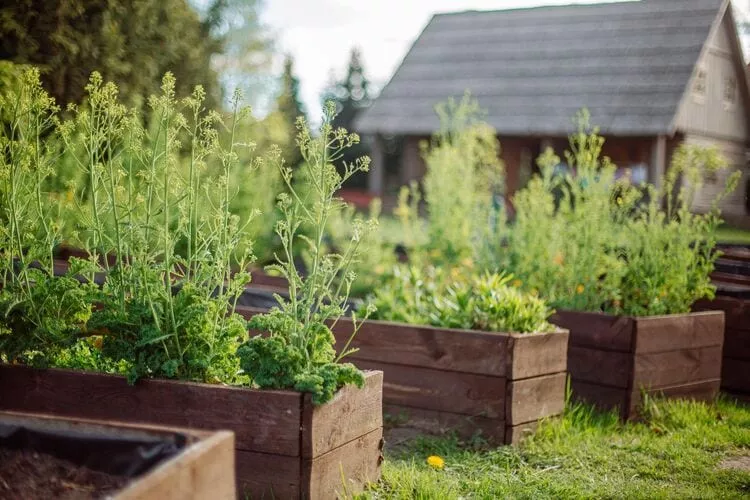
(351,95)
(290,107)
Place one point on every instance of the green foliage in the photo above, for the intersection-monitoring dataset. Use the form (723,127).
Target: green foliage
(289,106)
(587,241)
(464,173)
(434,296)
(298,349)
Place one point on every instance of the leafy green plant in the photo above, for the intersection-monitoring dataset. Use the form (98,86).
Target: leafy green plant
(298,348)
(434,296)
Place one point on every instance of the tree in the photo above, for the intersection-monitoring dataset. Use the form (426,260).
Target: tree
(351,95)
(132,42)
(289,105)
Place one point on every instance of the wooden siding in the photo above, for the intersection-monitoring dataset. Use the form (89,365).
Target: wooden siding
(710,116)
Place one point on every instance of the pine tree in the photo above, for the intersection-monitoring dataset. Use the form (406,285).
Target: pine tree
(351,95)
(289,105)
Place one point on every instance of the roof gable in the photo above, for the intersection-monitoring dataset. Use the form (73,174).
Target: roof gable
(532,69)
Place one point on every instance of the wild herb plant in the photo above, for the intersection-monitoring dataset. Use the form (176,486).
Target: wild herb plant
(564,242)
(298,348)
(669,250)
(164,235)
(455,299)
(464,174)
(38,311)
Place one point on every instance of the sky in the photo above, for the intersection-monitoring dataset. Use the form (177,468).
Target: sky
(320,34)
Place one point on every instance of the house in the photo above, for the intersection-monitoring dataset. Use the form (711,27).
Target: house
(653,74)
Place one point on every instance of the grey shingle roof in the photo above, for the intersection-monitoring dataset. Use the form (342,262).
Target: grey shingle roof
(532,69)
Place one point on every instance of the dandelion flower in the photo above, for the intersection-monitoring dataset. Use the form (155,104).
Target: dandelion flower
(435,462)
(580,289)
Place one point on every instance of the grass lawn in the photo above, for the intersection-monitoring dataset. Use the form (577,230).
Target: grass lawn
(729,234)
(681,450)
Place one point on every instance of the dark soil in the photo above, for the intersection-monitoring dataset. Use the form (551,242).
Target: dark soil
(29,475)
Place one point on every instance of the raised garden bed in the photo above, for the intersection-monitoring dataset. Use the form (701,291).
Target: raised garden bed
(51,457)
(735,371)
(285,447)
(613,359)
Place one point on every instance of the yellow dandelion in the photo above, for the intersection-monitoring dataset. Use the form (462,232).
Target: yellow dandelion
(580,289)
(435,462)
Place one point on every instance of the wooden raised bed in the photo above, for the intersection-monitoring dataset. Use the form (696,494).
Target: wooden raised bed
(155,462)
(285,447)
(466,381)
(613,359)
(735,371)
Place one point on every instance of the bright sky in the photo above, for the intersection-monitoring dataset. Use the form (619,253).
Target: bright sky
(320,33)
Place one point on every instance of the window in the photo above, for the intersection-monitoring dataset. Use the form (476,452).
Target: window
(730,91)
(700,85)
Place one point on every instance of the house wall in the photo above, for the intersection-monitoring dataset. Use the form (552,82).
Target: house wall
(709,120)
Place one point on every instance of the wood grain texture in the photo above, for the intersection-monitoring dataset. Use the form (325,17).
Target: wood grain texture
(265,475)
(735,375)
(601,331)
(531,399)
(464,351)
(601,396)
(533,355)
(661,369)
(679,331)
(704,390)
(204,470)
(345,470)
(352,413)
(265,421)
(466,393)
(441,423)
(515,434)
(610,368)
(736,311)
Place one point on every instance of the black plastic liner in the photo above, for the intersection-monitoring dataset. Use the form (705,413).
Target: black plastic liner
(127,457)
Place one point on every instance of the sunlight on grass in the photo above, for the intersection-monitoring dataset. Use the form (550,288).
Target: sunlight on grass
(674,453)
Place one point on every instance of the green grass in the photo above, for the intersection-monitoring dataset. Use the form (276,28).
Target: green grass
(727,234)
(675,454)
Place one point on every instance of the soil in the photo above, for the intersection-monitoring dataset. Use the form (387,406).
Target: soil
(736,463)
(28,475)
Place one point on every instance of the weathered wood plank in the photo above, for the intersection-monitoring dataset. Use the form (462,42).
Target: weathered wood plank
(735,375)
(679,331)
(704,390)
(344,470)
(359,409)
(515,434)
(534,398)
(470,394)
(662,369)
(610,368)
(533,355)
(275,415)
(265,475)
(199,472)
(601,396)
(602,331)
(443,422)
(465,351)
(736,311)
(737,344)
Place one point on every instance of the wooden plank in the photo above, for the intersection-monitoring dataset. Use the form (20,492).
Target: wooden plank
(679,331)
(466,393)
(258,277)
(265,475)
(515,434)
(601,396)
(600,367)
(736,311)
(359,409)
(534,398)
(602,331)
(203,470)
(532,355)
(735,375)
(343,471)
(443,422)
(662,369)
(704,390)
(464,351)
(737,344)
(266,421)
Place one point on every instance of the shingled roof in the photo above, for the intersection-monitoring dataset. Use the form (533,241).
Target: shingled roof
(629,63)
